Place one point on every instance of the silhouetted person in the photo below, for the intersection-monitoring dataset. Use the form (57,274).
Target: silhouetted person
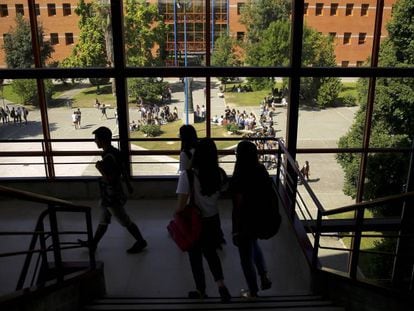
(113,197)
(249,181)
(207,182)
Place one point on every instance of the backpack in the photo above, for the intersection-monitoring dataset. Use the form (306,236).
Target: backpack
(266,218)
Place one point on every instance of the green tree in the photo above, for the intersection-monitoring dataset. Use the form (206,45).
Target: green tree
(145,34)
(224,54)
(149,90)
(18,45)
(393,116)
(90,50)
(257,15)
(273,49)
(27,90)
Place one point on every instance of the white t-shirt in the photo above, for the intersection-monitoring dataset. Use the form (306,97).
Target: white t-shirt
(185,161)
(207,204)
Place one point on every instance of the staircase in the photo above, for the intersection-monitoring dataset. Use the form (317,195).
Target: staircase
(283,302)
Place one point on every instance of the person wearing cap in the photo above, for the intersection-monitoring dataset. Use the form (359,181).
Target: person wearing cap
(113,197)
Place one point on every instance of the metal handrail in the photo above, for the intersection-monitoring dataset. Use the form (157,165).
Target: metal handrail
(54,205)
(356,226)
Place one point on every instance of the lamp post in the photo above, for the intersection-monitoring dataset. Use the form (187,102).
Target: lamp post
(188,103)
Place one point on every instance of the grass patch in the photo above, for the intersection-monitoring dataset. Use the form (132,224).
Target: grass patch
(349,88)
(86,97)
(245,99)
(171,129)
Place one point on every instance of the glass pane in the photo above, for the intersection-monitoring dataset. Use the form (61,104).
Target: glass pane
(329,108)
(338,35)
(19,110)
(74,166)
(78,106)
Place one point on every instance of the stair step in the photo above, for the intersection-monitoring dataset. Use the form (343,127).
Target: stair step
(292,303)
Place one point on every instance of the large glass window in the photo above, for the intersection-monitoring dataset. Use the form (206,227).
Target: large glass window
(165,87)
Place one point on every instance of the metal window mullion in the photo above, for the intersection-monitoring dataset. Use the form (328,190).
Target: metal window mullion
(208,64)
(294,87)
(120,80)
(48,157)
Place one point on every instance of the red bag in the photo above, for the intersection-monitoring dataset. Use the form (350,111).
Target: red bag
(185,228)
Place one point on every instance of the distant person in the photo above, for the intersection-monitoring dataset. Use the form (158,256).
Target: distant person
(113,198)
(247,184)
(25,114)
(208,180)
(188,137)
(103,110)
(97,104)
(305,170)
(78,117)
(75,119)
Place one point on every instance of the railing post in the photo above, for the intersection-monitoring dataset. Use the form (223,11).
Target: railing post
(89,229)
(356,243)
(317,239)
(279,159)
(56,242)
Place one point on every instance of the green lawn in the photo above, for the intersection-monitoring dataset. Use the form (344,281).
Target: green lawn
(349,88)
(171,129)
(86,97)
(9,94)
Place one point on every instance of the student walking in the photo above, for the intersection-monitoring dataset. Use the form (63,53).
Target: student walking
(113,198)
(188,137)
(249,181)
(206,179)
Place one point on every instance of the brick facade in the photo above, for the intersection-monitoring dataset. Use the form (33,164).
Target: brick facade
(351,22)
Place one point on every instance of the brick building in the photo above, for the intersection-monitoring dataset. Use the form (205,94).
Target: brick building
(350,22)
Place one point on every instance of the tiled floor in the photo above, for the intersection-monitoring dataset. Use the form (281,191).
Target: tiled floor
(162,270)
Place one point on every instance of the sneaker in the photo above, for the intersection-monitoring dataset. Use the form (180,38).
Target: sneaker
(245,294)
(138,247)
(195,294)
(266,283)
(224,294)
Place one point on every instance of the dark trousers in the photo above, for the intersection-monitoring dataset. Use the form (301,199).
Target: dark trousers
(207,247)
(251,258)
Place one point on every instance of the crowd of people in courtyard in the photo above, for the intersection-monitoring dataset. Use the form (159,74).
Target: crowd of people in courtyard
(16,115)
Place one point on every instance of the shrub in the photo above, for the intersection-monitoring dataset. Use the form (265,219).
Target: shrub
(151,130)
(349,100)
(233,128)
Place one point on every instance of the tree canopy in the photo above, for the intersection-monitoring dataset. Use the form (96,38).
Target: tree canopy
(392,123)
(18,45)
(269,42)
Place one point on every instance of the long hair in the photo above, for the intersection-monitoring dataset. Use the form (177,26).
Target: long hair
(247,160)
(188,136)
(205,162)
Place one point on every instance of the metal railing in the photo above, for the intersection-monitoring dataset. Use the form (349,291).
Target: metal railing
(304,207)
(46,237)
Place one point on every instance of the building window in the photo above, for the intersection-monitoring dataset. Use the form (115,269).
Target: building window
(359,63)
(68,38)
(319,9)
(305,9)
(347,38)
(364,9)
(3,10)
(349,9)
(240,35)
(345,63)
(332,35)
(37,9)
(66,9)
(54,38)
(19,9)
(51,9)
(240,6)
(334,9)
(362,37)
